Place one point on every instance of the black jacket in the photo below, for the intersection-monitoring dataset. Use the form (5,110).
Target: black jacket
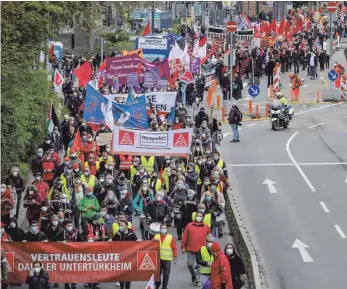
(16,234)
(30,237)
(53,234)
(121,236)
(158,210)
(36,166)
(40,281)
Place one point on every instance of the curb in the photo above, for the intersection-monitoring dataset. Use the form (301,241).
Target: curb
(312,102)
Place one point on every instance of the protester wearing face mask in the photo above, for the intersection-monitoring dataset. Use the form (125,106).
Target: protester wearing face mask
(41,186)
(32,202)
(207,217)
(168,253)
(126,205)
(34,234)
(177,124)
(88,206)
(133,169)
(7,203)
(112,203)
(49,167)
(75,162)
(194,237)
(187,209)
(219,162)
(201,117)
(179,193)
(46,144)
(122,184)
(139,178)
(58,188)
(36,162)
(220,269)
(4,236)
(88,179)
(121,217)
(158,209)
(92,164)
(90,146)
(45,215)
(57,140)
(99,189)
(54,229)
(208,167)
(18,183)
(155,183)
(84,127)
(181,112)
(38,278)
(205,259)
(78,192)
(191,177)
(108,220)
(16,234)
(238,273)
(63,167)
(204,129)
(212,208)
(67,177)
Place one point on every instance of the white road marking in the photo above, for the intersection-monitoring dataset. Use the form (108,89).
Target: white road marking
(296,164)
(226,134)
(317,124)
(317,108)
(252,124)
(302,250)
(338,229)
(346,180)
(325,208)
(287,164)
(270,184)
(345,117)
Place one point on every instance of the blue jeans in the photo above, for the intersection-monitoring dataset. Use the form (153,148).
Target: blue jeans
(235,129)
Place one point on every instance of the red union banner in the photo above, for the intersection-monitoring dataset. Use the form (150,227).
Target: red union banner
(85,262)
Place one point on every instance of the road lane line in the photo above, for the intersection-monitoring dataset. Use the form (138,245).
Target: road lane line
(296,164)
(338,229)
(252,124)
(317,108)
(325,208)
(287,164)
(317,124)
(345,117)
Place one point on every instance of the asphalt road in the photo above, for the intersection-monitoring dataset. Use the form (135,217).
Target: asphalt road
(308,163)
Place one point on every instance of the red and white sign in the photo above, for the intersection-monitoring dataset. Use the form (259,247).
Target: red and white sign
(231,26)
(332,7)
(147,143)
(58,79)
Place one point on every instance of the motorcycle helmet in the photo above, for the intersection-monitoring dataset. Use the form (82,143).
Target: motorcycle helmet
(279,95)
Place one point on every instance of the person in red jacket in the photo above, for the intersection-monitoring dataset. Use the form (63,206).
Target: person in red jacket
(32,202)
(49,166)
(7,204)
(4,236)
(41,186)
(220,270)
(90,146)
(194,237)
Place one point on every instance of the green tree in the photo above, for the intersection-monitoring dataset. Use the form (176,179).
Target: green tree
(26,89)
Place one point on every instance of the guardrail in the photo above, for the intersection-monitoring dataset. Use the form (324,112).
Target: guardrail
(242,241)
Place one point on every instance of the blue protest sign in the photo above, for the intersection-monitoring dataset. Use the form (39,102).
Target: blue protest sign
(254,90)
(132,80)
(148,80)
(332,75)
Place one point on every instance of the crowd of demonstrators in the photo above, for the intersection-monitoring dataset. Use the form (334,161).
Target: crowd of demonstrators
(96,200)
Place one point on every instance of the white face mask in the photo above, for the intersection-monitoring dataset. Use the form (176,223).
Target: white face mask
(108,150)
(13,225)
(159,199)
(103,213)
(69,228)
(37,270)
(198,219)
(44,209)
(64,201)
(15,174)
(209,245)
(229,251)
(145,189)
(55,223)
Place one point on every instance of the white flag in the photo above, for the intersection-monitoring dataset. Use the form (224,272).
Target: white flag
(108,113)
(150,284)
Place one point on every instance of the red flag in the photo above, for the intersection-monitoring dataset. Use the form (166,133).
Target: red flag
(84,73)
(286,28)
(51,52)
(202,41)
(187,77)
(264,28)
(280,28)
(147,29)
(308,25)
(273,26)
(102,66)
(58,79)
(77,143)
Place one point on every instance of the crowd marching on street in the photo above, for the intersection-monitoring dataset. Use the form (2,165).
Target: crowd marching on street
(95,194)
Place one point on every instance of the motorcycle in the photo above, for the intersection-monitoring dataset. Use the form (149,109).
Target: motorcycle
(280,116)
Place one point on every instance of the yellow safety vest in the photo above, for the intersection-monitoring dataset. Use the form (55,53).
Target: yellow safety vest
(207,219)
(109,160)
(165,247)
(205,255)
(133,172)
(115,228)
(197,169)
(220,164)
(149,165)
(91,181)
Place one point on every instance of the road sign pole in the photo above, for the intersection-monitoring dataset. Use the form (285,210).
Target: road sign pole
(331,46)
(231,57)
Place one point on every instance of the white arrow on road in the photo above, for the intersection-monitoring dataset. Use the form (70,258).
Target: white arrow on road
(270,185)
(302,249)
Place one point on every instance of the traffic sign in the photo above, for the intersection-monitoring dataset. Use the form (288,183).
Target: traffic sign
(254,90)
(332,75)
(332,7)
(231,26)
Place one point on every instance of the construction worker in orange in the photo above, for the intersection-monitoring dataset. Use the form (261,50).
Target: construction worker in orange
(340,71)
(296,83)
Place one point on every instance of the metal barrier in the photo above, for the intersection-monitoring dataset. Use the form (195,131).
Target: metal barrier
(242,242)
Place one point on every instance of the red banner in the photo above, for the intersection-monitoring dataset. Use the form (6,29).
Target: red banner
(98,262)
